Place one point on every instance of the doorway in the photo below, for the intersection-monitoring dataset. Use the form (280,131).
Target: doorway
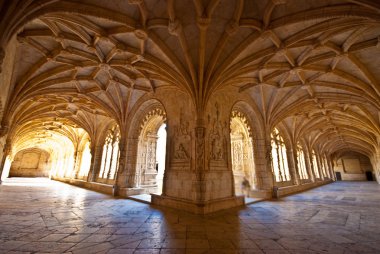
(151,153)
(338,176)
(243,166)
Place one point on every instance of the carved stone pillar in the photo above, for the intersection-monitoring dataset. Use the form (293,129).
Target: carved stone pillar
(293,166)
(320,169)
(77,163)
(270,180)
(120,179)
(309,165)
(198,177)
(132,174)
(96,152)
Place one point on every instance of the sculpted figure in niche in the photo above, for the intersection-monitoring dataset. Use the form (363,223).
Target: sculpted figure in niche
(217,149)
(181,153)
(182,140)
(218,145)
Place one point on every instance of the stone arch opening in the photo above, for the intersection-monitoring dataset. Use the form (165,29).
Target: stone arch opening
(151,152)
(243,166)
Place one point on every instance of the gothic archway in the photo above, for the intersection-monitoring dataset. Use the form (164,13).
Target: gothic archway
(243,166)
(150,164)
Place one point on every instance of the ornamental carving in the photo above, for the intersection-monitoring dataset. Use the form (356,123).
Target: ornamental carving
(181,145)
(218,141)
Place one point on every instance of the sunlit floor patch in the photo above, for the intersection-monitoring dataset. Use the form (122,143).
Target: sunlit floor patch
(28,181)
(145,198)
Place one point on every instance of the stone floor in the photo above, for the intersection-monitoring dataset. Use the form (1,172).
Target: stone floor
(42,216)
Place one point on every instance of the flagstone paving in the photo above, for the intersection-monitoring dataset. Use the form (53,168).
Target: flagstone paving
(42,216)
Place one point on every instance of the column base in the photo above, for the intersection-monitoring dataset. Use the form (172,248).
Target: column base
(266,194)
(197,207)
(125,192)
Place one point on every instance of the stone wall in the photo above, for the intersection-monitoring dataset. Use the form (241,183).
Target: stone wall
(352,166)
(375,160)
(5,69)
(30,163)
(284,191)
(99,187)
(2,158)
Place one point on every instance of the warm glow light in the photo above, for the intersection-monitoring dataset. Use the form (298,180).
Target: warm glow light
(57,139)
(7,167)
(85,161)
(301,163)
(160,156)
(279,158)
(110,154)
(315,165)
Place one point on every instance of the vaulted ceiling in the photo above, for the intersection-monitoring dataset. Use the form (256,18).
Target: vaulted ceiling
(309,66)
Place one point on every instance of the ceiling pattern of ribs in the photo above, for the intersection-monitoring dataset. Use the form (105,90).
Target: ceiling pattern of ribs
(310,66)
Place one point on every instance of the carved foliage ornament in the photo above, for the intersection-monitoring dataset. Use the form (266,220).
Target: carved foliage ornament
(150,114)
(242,117)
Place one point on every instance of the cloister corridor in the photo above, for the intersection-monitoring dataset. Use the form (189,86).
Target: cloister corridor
(38,215)
(243,126)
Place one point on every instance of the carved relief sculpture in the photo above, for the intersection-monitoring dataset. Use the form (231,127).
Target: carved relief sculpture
(218,143)
(181,146)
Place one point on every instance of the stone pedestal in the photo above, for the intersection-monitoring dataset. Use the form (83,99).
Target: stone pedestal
(198,207)
(125,192)
(198,176)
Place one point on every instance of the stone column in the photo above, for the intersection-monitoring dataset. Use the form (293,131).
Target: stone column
(199,177)
(264,171)
(324,161)
(331,168)
(6,152)
(96,152)
(309,166)
(131,163)
(199,183)
(77,162)
(260,161)
(120,179)
(292,164)
(294,157)
(319,166)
